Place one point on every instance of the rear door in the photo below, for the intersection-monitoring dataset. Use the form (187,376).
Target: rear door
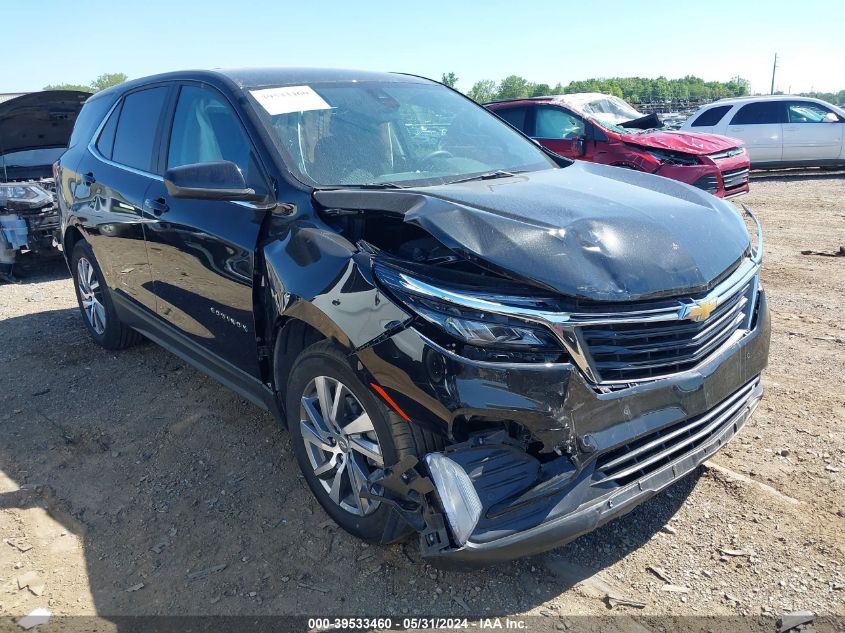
(558,129)
(760,125)
(202,252)
(115,175)
(811,132)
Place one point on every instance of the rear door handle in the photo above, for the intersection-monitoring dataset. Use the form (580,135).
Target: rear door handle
(156,207)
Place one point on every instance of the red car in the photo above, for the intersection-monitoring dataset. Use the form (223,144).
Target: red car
(605,129)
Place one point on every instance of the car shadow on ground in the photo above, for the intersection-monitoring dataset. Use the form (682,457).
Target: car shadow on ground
(187,499)
(33,268)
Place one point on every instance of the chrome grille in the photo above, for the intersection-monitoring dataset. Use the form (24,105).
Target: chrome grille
(636,459)
(645,350)
(735,177)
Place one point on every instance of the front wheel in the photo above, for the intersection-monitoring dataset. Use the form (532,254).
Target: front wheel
(341,434)
(95,302)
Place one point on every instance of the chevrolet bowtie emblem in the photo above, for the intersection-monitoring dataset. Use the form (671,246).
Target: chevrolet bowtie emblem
(699,310)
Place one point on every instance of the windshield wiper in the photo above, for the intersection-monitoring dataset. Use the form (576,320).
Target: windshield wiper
(490,175)
(377,185)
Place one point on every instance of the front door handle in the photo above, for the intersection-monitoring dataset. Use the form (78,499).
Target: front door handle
(156,207)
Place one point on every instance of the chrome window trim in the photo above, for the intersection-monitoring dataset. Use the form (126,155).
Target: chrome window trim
(565,325)
(92,147)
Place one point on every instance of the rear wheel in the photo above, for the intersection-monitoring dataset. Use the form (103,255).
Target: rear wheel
(95,302)
(341,434)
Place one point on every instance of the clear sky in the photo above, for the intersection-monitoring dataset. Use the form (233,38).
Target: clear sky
(74,41)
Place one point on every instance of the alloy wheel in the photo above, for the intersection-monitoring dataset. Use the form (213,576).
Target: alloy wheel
(91,295)
(341,443)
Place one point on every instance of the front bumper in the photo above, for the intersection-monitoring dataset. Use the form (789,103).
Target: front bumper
(529,505)
(724,178)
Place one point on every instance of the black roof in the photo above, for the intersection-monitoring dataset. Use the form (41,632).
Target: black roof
(267,77)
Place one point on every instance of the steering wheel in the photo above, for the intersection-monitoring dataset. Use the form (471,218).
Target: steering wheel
(438,153)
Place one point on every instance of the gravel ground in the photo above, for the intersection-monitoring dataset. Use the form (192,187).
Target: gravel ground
(131,484)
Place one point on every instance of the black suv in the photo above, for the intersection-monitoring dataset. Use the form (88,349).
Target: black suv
(466,336)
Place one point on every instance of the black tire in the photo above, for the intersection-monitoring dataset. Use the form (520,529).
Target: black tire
(397,438)
(114,334)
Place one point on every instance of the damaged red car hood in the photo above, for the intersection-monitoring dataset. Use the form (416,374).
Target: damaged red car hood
(687,142)
(587,230)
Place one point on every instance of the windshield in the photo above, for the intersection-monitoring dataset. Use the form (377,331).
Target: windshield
(402,133)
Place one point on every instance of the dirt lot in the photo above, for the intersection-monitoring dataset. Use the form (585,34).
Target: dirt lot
(132,484)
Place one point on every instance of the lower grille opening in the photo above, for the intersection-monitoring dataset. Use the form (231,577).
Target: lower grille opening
(647,454)
(734,178)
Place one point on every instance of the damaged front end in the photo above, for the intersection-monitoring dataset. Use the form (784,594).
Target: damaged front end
(29,217)
(563,411)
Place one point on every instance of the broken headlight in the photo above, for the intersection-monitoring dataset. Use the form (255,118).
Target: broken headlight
(457,495)
(671,158)
(479,322)
(23,196)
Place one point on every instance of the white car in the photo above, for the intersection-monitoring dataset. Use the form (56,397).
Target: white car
(779,130)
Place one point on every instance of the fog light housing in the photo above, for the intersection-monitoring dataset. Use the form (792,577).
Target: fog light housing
(457,495)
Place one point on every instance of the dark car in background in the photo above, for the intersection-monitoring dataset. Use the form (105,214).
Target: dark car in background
(34,132)
(604,129)
(467,336)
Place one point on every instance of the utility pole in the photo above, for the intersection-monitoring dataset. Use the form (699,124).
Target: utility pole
(774,68)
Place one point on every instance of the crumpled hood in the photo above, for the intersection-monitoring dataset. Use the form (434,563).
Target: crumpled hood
(587,230)
(39,120)
(689,142)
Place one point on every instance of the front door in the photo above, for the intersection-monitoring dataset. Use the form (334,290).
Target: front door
(811,132)
(202,252)
(558,130)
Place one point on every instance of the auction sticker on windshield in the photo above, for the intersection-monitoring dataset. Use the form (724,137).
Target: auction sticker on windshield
(289,99)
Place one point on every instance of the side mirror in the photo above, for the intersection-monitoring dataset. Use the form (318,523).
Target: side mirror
(218,180)
(830,117)
(579,146)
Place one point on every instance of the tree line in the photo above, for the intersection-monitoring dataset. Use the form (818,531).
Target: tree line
(106,80)
(632,89)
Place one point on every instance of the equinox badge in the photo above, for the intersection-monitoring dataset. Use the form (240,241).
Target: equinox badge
(699,310)
(229,319)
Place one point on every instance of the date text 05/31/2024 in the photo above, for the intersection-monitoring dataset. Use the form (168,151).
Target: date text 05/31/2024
(430,623)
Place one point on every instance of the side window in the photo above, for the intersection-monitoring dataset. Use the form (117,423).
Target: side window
(807,112)
(105,144)
(759,113)
(711,117)
(514,116)
(136,128)
(557,123)
(206,129)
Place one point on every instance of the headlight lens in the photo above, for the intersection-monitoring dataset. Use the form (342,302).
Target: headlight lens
(23,197)
(671,158)
(484,333)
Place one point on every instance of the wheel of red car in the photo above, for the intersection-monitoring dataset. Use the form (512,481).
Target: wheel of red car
(95,302)
(341,432)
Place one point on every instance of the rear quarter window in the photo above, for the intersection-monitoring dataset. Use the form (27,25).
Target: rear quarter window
(89,119)
(711,117)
